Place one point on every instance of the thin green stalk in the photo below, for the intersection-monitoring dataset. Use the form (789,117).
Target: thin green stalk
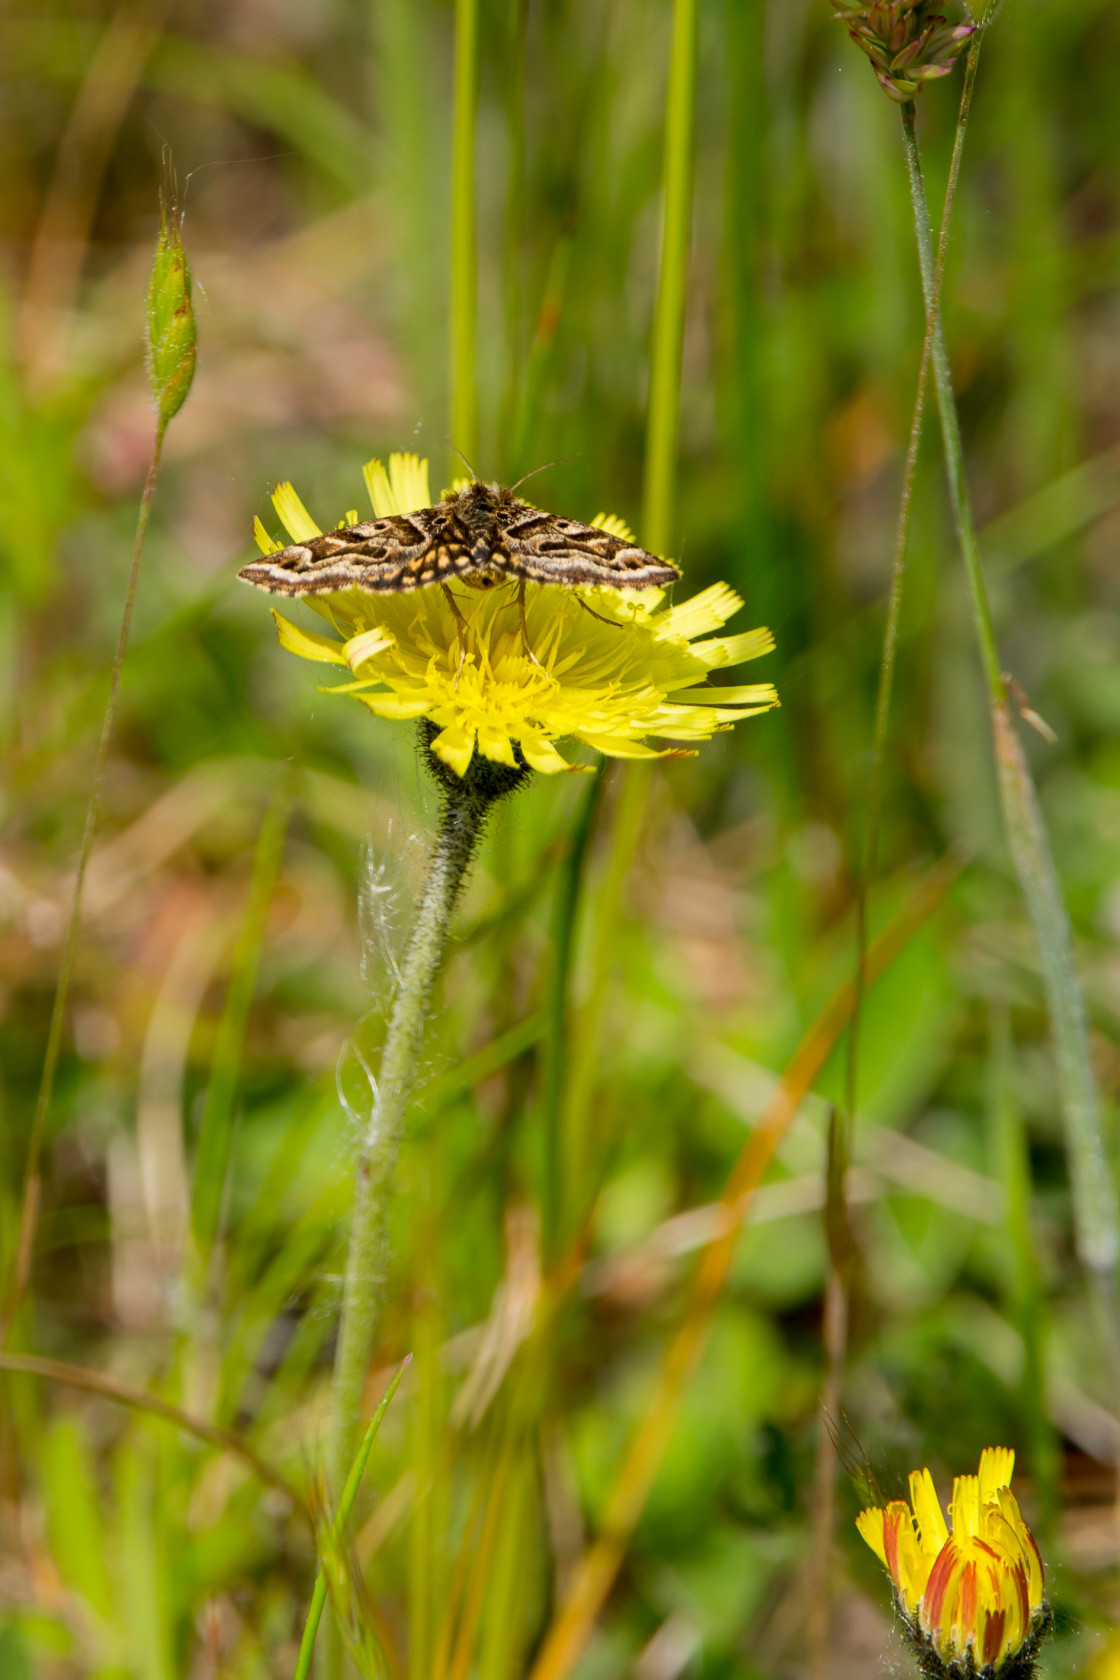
(338,1526)
(663,424)
(464,276)
(1096,1222)
(834,1340)
(516,32)
(466,805)
(898,571)
(836,1291)
(412,175)
(32,1185)
(658,503)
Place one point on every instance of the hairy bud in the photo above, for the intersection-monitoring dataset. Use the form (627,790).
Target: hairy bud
(171,328)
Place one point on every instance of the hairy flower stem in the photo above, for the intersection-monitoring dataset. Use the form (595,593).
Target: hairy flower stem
(1096,1221)
(29,1210)
(467,802)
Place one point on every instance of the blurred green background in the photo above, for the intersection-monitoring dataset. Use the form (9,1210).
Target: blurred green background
(312,144)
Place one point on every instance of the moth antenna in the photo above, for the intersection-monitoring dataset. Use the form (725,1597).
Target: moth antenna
(464,460)
(535,470)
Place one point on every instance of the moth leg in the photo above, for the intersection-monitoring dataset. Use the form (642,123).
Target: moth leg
(525,627)
(460,630)
(613,622)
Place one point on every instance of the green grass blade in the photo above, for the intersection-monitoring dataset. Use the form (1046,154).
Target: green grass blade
(1012,1167)
(663,424)
(338,1527)
(464,255)
(1096,1219)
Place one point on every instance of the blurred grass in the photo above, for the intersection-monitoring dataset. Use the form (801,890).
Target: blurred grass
(320,235)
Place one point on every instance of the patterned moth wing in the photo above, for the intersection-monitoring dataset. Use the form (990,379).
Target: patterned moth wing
(550,549)
(394,555)
(481,532)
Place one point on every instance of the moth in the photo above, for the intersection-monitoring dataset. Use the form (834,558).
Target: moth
(482,534)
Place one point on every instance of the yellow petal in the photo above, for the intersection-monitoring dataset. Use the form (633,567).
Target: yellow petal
(965,1508)
(408,475)
(614,526)
(1028,1545)
(541,755)
(706,611)
(617,746)
(730,650)
(495,745)
(380,490)
(363,647)
(996,1465)
(262,539)
(455,745)
(933,1530)
(870,1525)
(397,706)
(906,1560)
(736,714)
(293,515)
(746,694)
(306,643)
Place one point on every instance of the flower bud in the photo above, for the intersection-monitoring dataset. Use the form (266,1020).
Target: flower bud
(970,1594)
(171,328)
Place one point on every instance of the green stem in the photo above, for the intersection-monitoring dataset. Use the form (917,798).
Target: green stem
(950,424)
(836,1293)
(29,1211)
(466,804)
(668,328)
(898,573)
(464,278)
(338,1526)
(1096,1222)
(467,801)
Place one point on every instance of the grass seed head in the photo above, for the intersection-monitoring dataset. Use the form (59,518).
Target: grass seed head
(908,42)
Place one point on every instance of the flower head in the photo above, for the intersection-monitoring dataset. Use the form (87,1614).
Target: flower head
(969,1593)
(908,42)
(511,669)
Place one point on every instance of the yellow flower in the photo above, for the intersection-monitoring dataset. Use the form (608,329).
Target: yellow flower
(604,666)
(973,1590)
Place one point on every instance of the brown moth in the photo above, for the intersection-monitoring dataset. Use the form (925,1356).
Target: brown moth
(482,533)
